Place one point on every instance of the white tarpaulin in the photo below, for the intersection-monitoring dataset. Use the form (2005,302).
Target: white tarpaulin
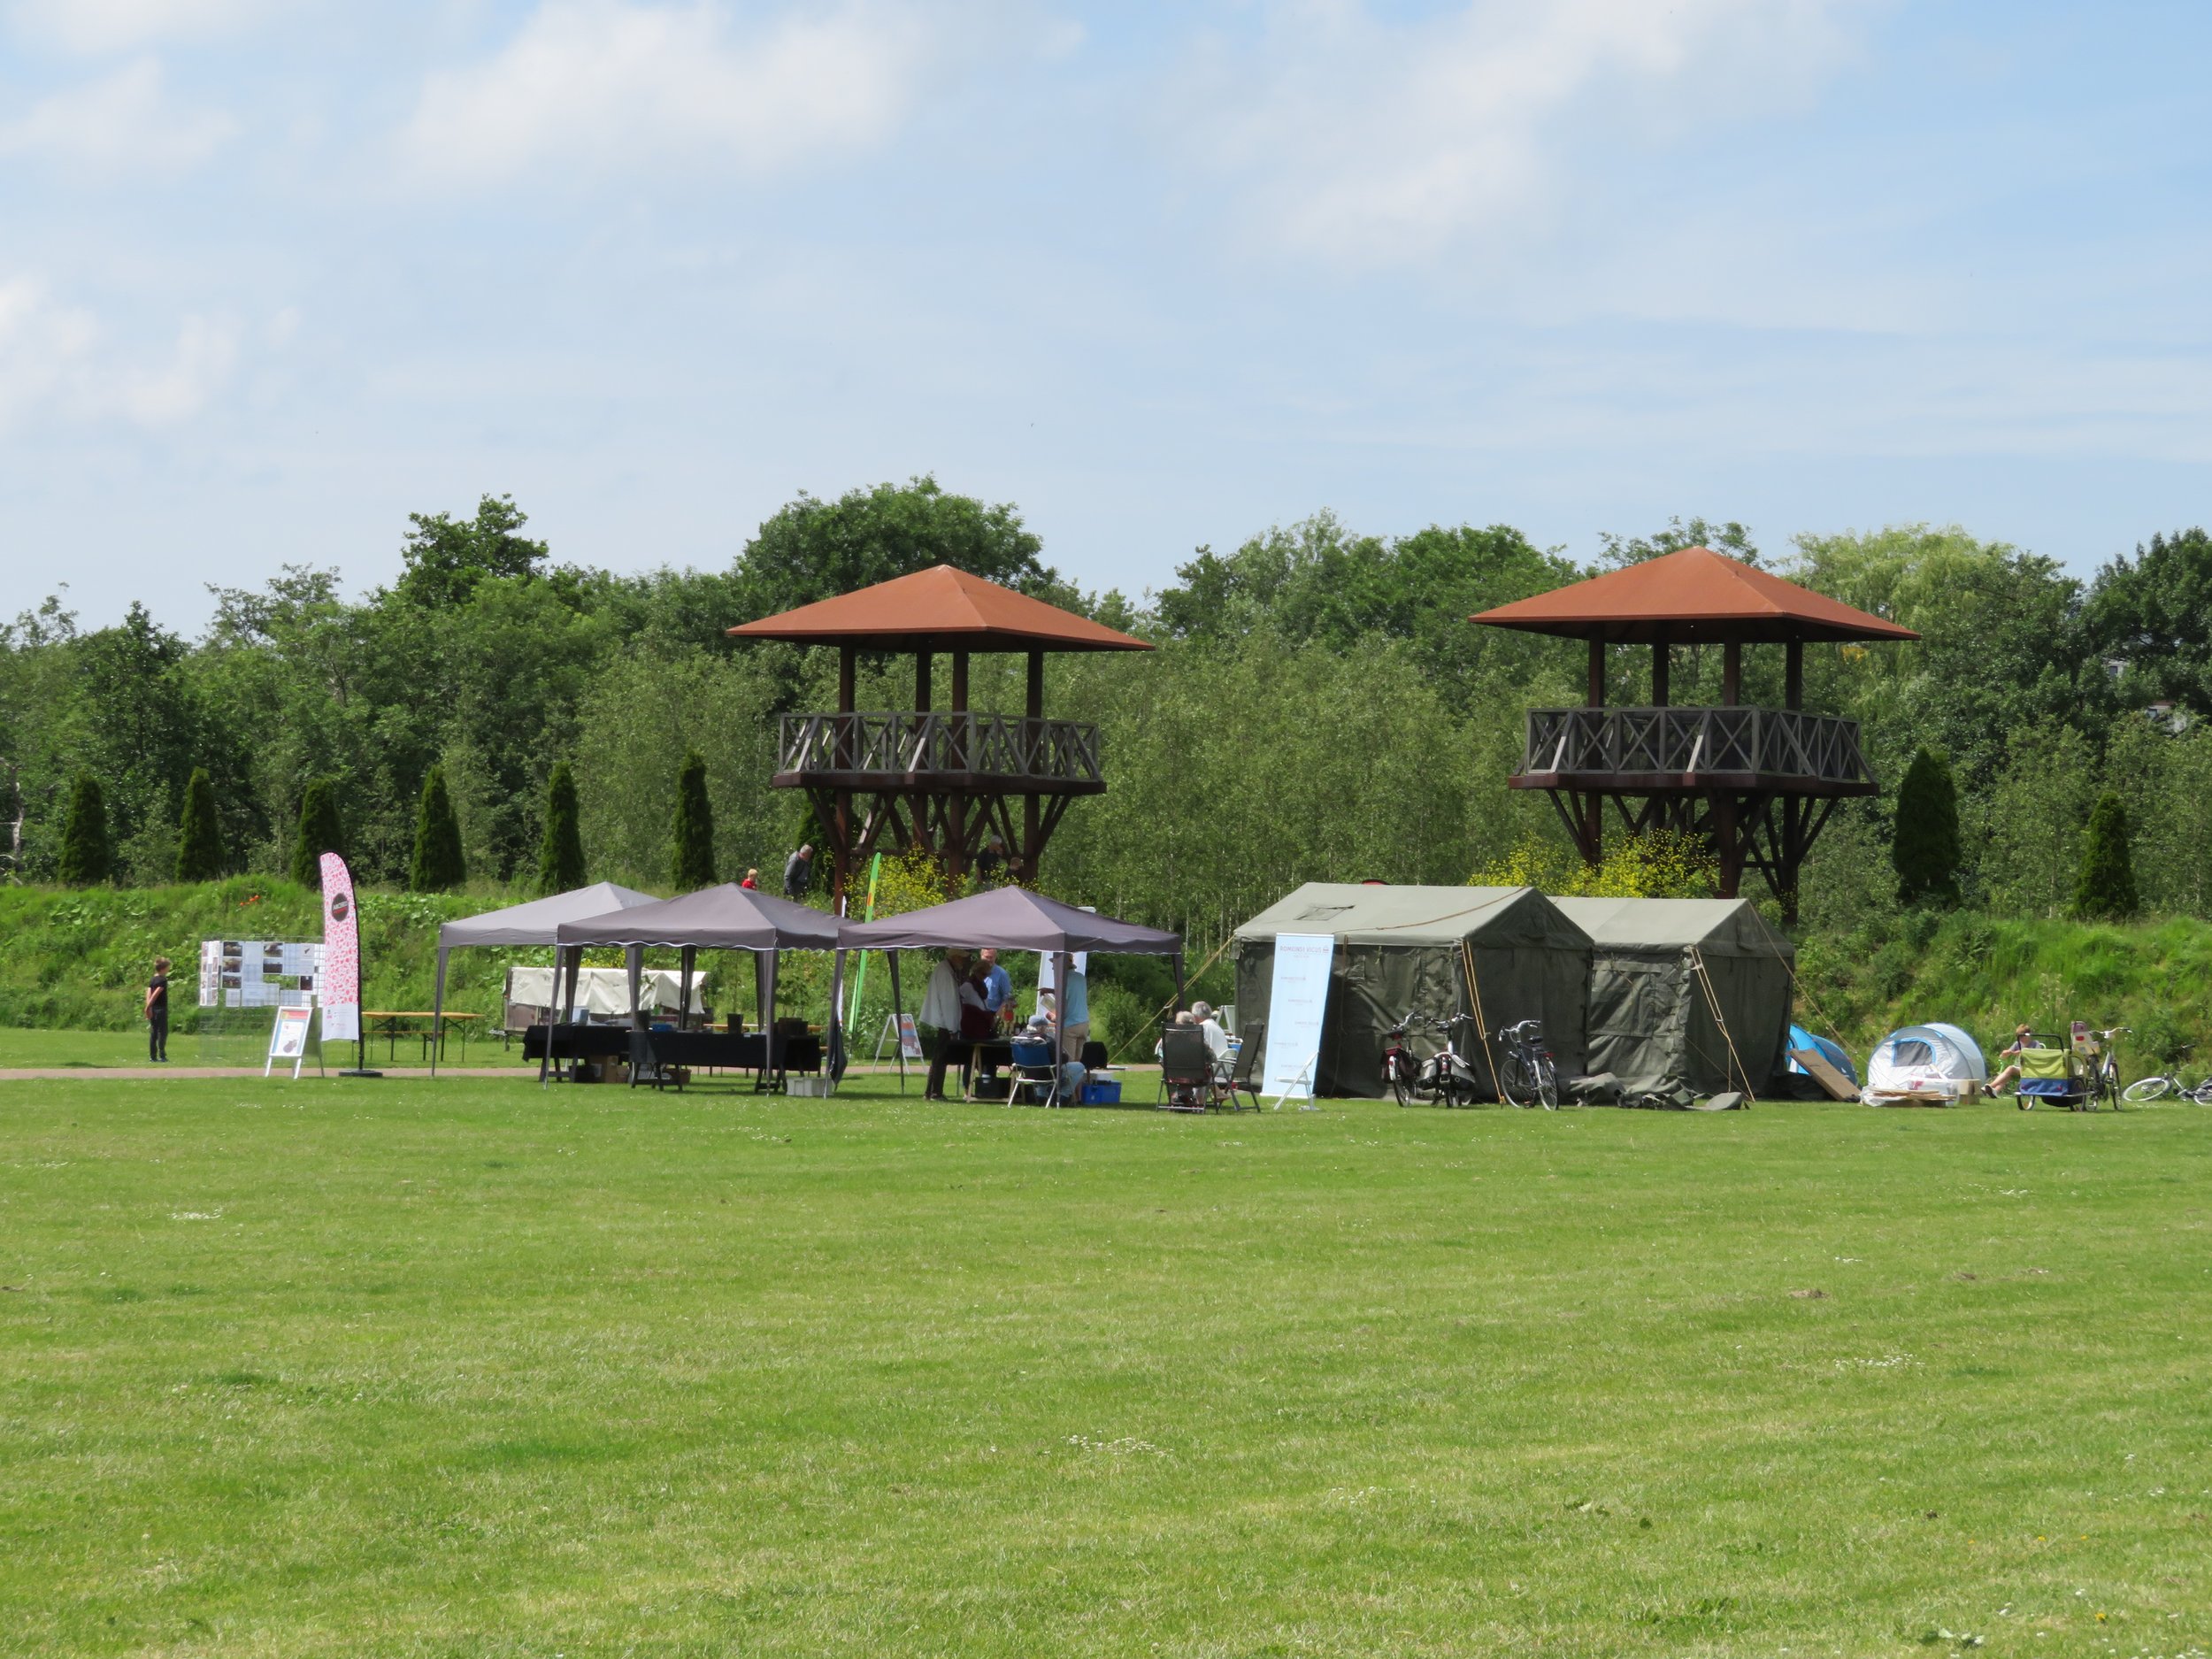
(605,992)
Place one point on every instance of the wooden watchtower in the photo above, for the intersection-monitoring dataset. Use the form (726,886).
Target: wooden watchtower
(947,780)
(1757,784)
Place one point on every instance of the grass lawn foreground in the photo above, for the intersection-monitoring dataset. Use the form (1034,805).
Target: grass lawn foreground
(468,1368)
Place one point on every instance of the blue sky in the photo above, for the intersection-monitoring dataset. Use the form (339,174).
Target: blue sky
(274,272)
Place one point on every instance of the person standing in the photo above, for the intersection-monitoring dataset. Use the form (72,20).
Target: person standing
(941,1008)
(998,1002)
(157,1013)
(798,874)
(1075,1008)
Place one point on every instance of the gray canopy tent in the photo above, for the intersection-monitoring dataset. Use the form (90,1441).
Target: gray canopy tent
(532,924)
(723,918)
(1496,955)
(1014,918)
(1694,992)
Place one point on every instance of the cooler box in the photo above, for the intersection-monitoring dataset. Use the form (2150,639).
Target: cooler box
(1102,1091)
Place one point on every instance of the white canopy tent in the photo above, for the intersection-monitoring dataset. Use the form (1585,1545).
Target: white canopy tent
(605,992)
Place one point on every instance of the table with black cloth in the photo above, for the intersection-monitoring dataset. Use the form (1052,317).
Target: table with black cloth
(663,1056)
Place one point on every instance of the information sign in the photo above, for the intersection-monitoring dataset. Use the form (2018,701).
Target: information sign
(288,1039)
(1298,998)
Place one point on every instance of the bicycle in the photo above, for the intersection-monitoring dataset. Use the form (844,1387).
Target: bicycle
(1444,1077)
(1527,1075)
(2144,1090)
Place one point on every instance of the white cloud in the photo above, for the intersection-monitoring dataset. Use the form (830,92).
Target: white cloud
(1368,141)
(110,25)
(58,361)
(122,122)
(589,85)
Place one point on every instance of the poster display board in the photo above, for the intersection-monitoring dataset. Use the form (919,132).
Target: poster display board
(259,973)
(287,1038)
(1298,998)
(910,1039)
(341,987)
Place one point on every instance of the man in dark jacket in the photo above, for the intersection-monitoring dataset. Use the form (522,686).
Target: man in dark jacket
(798,874)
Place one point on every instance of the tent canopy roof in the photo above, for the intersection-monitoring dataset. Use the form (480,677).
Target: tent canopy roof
(536,922)
(1730,928)
(1011,918)
(1691,595)
(940,609)
(1384,915)
(724,918)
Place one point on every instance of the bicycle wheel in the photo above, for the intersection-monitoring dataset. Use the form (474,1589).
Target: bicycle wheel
(1547,1083)
(1515,1081)
(2201,1093)
(2146,1089)
(1401,1084)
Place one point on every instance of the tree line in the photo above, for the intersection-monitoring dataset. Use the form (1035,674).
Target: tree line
(1317,707)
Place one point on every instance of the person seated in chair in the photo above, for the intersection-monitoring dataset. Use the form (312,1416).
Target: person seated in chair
(1209,1022)
(2021,1038)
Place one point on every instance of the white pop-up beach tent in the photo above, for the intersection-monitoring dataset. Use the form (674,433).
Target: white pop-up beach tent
(1931,1059)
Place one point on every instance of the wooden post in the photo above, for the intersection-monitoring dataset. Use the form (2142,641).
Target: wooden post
(1794,675)
(1732,674)
(1597,673)
(846,656)
(1660,662)
(1033,758)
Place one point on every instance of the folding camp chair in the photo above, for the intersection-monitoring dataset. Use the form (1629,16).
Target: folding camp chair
(1187,1070)
(1240,1079)
(1037,1073)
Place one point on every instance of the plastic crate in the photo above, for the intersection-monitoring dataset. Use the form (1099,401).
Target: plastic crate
(1106,1092)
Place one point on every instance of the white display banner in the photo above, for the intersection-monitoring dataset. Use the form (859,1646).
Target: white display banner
(258,972)
(1298,997)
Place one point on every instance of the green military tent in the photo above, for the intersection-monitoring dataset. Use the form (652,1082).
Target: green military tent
(1689,991)
(1408,948)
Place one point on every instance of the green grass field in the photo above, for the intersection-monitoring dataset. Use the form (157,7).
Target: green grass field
(468,1368)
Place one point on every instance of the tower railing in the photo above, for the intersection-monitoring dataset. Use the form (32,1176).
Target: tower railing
(898,746)
(1687,743)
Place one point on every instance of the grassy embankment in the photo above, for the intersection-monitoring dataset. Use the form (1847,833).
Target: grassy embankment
(75,960)
(330,1368)
(78,961)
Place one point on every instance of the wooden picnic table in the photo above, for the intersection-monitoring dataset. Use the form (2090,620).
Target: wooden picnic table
(391,1024)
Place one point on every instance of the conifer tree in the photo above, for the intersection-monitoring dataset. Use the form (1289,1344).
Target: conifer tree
(321,831)
(1926,850)
(561,854)
(199,836)
(439,864)
(2105,891)
(693,862)
(86,860)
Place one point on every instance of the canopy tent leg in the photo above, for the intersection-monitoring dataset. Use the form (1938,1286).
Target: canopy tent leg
(898,1035)
(772,1049)
(689,957)
(1179,985)
(437,1012)
(836,1061)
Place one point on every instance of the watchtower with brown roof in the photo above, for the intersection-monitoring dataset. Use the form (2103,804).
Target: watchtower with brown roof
(943,781)
(1756,784)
